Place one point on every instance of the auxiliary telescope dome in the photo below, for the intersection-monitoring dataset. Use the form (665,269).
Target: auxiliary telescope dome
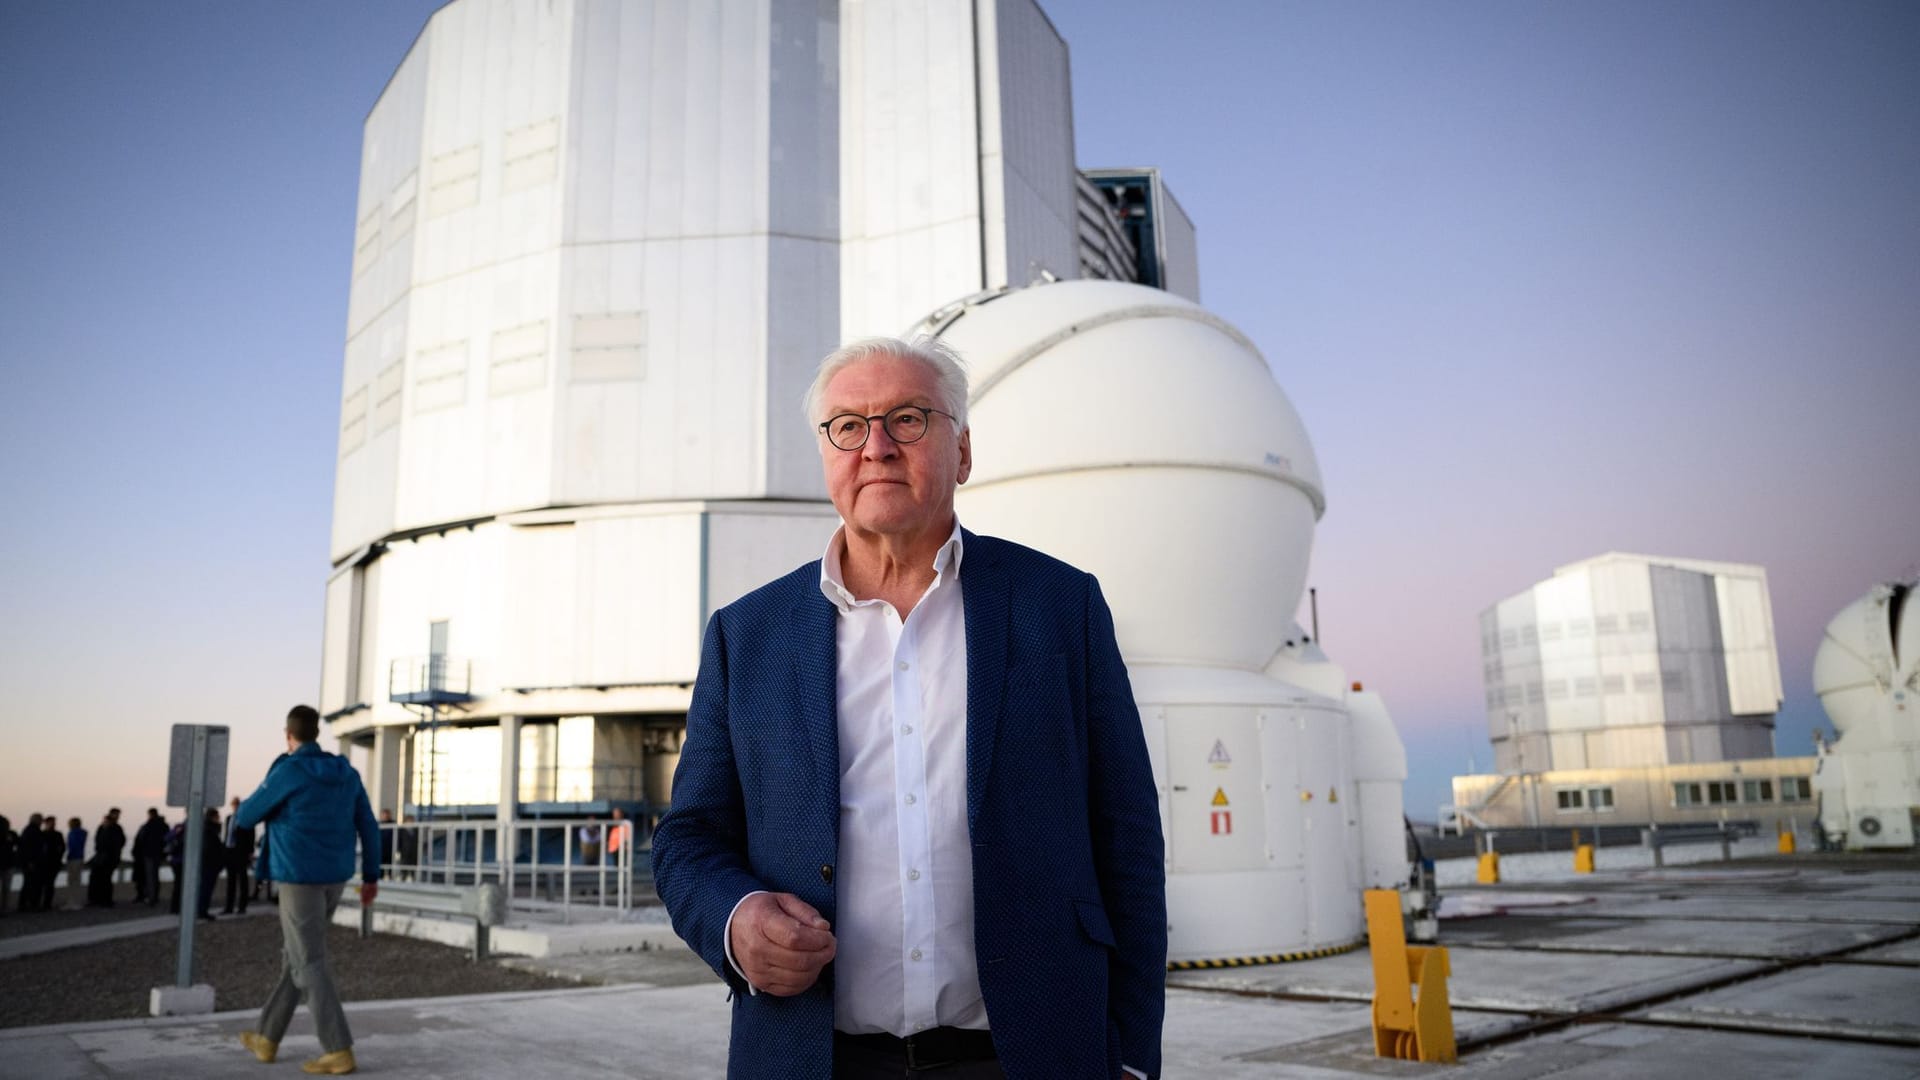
(1136,434)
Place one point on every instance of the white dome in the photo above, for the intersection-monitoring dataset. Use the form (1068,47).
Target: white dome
(1871,649)
(1135,434)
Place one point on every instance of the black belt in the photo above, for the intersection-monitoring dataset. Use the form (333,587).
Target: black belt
(929,1049)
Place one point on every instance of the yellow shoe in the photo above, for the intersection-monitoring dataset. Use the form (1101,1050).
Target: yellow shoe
(262,1047)
(338,1063)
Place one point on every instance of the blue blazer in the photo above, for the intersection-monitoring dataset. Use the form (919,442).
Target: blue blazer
(1069,885)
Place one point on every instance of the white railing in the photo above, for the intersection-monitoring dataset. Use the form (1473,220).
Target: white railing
(544,865)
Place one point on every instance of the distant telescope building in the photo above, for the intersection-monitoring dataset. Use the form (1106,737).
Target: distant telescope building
(1632,687)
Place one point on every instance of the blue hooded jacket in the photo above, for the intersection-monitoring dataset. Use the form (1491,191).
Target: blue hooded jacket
(316,806)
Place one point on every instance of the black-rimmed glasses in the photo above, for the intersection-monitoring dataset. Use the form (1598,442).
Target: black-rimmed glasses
(906,424)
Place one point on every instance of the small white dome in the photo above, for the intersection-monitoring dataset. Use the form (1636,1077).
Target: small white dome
(1139,436)
(1871,649)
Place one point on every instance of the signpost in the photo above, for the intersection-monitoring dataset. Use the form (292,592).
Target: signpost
(196,780)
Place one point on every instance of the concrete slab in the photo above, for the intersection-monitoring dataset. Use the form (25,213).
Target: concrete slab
(1905,952)
(1759,940)
(1626,1052)
(33,944)
(1863,1001)
(1764,908)
(1495,979)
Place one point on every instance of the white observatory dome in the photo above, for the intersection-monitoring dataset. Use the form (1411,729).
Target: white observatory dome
(1135,434)
(1871,649)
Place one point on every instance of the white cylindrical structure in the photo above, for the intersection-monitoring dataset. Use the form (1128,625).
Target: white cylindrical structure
(1140,437)
(1867,673)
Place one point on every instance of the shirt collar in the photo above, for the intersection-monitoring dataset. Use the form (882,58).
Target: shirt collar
(833,585)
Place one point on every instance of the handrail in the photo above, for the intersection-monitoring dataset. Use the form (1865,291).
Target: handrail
(519,855)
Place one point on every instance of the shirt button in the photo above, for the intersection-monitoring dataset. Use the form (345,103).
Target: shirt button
(903,665)
(915,954)
(906,729)
(911,800)
(913,875)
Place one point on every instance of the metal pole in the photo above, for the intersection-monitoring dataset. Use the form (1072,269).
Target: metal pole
(566,865)
(190,859)
(1313,600)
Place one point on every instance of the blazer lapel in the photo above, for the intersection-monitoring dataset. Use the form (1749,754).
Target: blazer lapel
(816,684)
(987,604)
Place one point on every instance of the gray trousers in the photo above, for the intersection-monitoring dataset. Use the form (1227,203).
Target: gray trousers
(305,911)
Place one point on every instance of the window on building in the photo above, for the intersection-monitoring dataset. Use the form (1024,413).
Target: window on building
(1585,686)
(1579,627)
(1535,695)
(1606,624)
(1687,795)
(1550,631)
(1639,621)
(1672,681)
(1556,689)
(1645,682)
(1795,789)
(1613,684)
(1720,792)
(1568,800)
(1756,791)
(1600,799)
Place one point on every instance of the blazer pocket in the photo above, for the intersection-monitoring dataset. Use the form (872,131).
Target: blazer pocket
(1093,922)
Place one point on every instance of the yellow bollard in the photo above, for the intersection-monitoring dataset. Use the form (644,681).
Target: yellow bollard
(1786,842)
(1406,1027)
(1583,859)
(1489,873)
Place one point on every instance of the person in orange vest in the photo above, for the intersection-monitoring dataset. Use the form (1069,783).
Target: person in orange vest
(616,834)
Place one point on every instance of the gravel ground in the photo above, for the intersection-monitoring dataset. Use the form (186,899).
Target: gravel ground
(240,957)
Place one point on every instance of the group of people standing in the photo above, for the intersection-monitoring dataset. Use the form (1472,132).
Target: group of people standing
(39,851)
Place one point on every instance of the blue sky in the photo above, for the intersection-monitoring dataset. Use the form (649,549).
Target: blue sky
(1544,280)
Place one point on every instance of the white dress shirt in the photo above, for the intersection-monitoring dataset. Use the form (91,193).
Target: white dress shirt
(904,882)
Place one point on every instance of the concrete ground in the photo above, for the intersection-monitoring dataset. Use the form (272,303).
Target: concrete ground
(1808,966)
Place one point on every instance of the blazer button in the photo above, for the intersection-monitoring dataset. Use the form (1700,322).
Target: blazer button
(826,873)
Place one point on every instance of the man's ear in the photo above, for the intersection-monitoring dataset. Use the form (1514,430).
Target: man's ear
(966,455)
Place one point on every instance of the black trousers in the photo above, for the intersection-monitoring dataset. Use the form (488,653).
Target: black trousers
(100,882)
(852,1061)
(237,891)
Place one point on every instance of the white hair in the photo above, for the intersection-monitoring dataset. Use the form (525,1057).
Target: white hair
(949,371)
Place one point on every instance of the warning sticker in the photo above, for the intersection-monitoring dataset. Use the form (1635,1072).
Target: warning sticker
(1333,794)
(1219,759)
(1219,796)
(1222,822)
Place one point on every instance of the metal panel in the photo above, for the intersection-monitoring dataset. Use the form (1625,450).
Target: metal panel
(909,180)
(1179,246)
(1026,146)
(1219,759)
(1746,632)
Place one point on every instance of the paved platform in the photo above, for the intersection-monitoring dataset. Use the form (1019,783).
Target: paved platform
(1777,972)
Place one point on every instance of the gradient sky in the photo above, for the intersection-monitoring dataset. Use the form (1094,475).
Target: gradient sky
(1544,280)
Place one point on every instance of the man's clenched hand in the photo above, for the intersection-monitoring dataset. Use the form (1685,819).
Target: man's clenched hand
(780,943)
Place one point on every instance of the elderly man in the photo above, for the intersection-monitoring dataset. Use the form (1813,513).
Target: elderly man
(914,826)
(318,811)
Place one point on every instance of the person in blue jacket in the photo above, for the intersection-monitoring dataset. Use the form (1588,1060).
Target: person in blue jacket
(318,809)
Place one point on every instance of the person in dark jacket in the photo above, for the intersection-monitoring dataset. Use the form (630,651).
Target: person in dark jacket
(239,855)
(317,811)
(149,851)
(176,859)
(212,858)
(26,853)
(109,840)
(53,850)
(8,839)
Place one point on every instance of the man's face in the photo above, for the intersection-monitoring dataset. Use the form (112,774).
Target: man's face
(884,488)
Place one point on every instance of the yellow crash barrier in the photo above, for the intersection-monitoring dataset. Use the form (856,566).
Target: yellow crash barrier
(1406,1027)
(1786,842)
(1489,873)
(1583,858)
